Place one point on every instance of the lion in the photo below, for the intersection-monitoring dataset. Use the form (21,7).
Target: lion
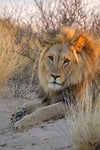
(67,73)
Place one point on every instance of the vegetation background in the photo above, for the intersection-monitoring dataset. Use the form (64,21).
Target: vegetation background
(18,53)
(18,50)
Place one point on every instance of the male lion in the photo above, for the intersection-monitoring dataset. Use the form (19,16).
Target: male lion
(68,72)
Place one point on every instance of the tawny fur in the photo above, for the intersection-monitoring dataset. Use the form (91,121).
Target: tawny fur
(82,71)
(73,58)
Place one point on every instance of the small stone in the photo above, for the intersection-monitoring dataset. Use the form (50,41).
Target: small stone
(3,144)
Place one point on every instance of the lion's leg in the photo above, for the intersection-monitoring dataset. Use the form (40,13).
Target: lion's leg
(45,113)
(25,109)
(32,105)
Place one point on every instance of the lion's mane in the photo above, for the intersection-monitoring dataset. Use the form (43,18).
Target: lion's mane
(86,53)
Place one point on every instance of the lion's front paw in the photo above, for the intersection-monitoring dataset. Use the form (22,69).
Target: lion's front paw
(18,114)
(19,125)
(24,123)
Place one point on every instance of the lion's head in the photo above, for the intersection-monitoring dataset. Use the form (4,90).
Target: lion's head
(68,57)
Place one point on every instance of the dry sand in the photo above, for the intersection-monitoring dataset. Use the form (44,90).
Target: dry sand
(45,136)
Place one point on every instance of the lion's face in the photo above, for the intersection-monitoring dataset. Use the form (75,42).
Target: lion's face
(58,68)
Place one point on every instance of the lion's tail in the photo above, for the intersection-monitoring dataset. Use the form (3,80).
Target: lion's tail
(83,129)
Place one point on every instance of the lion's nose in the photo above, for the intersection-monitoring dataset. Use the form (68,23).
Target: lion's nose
(55,76)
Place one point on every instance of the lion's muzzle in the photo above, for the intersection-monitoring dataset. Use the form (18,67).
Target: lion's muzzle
(55,83)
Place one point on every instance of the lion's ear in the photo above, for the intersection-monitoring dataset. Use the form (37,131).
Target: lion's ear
(41,43)
(79,44)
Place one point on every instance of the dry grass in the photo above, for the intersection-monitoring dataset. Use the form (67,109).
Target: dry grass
(16,49)
(83,130)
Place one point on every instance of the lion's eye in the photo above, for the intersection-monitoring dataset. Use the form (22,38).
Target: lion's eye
(66,61)
(51,58)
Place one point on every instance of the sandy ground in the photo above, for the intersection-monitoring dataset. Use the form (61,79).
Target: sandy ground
(46,136)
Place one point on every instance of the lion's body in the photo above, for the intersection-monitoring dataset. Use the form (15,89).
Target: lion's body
(68,71)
